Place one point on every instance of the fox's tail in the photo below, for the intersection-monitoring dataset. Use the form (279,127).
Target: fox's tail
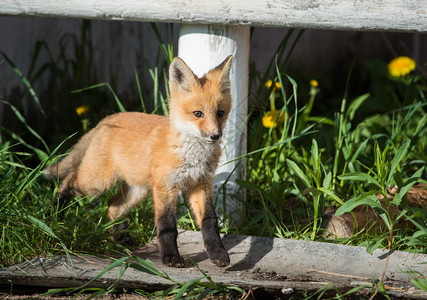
(71,162)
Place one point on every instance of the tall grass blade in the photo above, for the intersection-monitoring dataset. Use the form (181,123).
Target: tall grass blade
(294,89)
(420,282)
(154,76)
(58,290)
(315,155)
(22,119)
(166,50)
(116,98)
(107,269)
(37,171)
(186,287)
(40,153)
(166,99)
(26,83)
(366,198)
(397,159)
(141,98)
(406,187)
(360,149)
(45,228)
(331,194)
(147,266)
(277,57)
(297,170)
(307,131)
(359,176)
(373,245)
(355,104)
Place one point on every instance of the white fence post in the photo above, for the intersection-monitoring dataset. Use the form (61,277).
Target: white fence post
(203,47)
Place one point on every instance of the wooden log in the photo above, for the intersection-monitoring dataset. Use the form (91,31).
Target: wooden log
(385,15)
(283,265)
(366,219)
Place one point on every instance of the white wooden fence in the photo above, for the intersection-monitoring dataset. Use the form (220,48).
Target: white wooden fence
(216,28)
(396,15)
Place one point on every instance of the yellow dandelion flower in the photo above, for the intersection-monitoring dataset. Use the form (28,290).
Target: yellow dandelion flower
(401,66)
(269,119)
(277,85)
(82,110)
(314,83)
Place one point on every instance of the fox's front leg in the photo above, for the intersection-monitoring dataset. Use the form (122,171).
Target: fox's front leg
(202,203)
(165,218)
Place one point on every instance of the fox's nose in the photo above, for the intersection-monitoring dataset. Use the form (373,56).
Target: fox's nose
(214,137)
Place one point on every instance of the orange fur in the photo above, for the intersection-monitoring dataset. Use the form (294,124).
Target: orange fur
(155,154)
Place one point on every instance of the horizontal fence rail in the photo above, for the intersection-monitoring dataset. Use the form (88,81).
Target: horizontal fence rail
(374,15)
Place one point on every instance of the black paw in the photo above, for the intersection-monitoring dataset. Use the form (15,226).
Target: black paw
(175,261)
(218,256)
(122,236)
(126,239)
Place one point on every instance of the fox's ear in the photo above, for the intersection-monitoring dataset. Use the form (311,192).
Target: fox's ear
(181,76)
(225,68)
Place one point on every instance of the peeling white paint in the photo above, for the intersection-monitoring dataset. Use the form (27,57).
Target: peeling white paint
(395,15)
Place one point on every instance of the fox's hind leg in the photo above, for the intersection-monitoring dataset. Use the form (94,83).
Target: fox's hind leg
(126,198)
(120,204)
(84,181)
(67,190)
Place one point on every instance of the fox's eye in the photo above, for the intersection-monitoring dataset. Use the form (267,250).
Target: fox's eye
(198,114)
(220,113)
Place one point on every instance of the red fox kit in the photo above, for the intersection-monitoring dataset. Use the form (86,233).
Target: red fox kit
(151,154)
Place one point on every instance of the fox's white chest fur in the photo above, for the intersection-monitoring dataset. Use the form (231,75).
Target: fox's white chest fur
(199,162)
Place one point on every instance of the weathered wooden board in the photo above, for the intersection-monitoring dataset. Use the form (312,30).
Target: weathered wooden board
(396,15)
(279,264)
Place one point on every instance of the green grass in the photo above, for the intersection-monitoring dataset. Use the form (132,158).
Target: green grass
(294,171)
(339,159)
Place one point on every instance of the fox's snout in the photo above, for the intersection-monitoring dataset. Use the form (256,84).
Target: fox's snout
(212,136)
